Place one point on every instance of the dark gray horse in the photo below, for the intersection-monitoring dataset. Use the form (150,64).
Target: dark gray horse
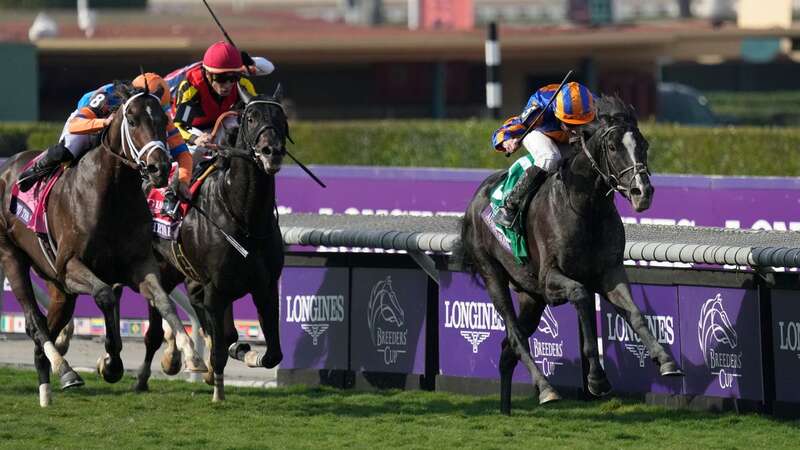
(240,198)
(576,241)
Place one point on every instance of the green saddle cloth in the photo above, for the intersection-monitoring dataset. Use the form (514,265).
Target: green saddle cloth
(516,239)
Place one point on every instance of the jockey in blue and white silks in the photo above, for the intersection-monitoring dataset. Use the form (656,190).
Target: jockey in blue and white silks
(574,106)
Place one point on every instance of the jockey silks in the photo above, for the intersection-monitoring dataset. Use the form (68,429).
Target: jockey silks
(548,124)
(196,106)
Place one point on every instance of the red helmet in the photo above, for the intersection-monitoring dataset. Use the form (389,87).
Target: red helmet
(223,57)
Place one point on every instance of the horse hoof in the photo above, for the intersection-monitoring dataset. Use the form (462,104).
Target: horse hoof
(70,380)
(548,396)
(140,386)
(670,369)
(196,364)
(171,363)
(237,350)
(599,388)
(269,360)
(208,377)
(107,370)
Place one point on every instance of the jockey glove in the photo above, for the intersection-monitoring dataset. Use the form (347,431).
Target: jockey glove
(247,60)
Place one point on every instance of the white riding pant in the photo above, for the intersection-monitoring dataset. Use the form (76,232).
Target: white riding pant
(77,144)
(545,151)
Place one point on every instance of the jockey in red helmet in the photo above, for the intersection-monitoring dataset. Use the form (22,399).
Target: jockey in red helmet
(573,107)
(93,114)
(208,90)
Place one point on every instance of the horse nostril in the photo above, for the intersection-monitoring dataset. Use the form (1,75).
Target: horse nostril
(152,168)
(636,192)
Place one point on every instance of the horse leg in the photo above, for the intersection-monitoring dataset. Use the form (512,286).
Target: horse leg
(59,317)
(152,341)
(497,287)
(80,279)
(266,301)
(16,267)
(214,306)
(150,288)
(617,292)
(60,326)
(558,287)
(530,313)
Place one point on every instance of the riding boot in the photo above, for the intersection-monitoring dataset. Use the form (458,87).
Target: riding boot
(53,156)
(171,206)
(530,181)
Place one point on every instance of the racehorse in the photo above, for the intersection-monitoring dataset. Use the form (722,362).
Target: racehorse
(97,220)
(240,196)
(575,239)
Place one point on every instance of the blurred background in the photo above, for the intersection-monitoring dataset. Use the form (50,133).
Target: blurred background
(707,63)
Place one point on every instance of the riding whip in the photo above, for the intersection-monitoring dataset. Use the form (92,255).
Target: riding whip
(308,171)
(214,16)
(539,116)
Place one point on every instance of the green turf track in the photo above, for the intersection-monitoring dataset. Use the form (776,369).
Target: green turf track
(177,414)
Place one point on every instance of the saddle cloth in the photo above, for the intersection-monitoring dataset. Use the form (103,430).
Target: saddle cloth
(164,226)
(511,238)
(31,206)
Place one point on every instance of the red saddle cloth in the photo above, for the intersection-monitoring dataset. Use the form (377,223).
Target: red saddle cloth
(31,206)
(164,226)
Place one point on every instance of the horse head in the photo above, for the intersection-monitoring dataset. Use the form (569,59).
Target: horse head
(264,129)
(138,133)
(620,151)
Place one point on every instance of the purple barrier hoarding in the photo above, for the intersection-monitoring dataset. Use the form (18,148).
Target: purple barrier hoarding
(786,343)
(734,202)
(314,317)
(625,358)
(721,342)
(388,320)
(471,331)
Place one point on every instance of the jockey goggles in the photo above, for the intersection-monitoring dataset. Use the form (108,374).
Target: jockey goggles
(226,77)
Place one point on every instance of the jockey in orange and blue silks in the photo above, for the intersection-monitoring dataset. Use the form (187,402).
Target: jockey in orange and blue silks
(574,106)
(92,115)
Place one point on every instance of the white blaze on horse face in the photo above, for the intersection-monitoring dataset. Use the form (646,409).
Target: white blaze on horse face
(630,144)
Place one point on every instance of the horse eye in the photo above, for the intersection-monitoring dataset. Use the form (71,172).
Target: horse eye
(131,122)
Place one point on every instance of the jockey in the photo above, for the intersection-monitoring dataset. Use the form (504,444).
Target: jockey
(260,67)
(573,107)
(208,90)
(94,113)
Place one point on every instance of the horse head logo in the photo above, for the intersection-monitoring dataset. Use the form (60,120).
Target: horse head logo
(548,323)
(383,304)
(714,326)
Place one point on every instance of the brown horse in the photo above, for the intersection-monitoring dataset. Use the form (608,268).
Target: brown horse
(100,229)
(576,241)
(236,200)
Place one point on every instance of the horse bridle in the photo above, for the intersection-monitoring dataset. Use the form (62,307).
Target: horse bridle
(611,179)
(132,150)
(249,154)
(251,145)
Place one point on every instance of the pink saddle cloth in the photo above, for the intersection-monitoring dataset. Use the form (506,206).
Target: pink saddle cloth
(164,226)
(31,206)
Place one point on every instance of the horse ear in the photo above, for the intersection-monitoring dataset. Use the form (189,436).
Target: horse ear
(243,94)
(278,95)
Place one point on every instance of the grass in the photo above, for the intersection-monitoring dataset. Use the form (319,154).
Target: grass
(178,414)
